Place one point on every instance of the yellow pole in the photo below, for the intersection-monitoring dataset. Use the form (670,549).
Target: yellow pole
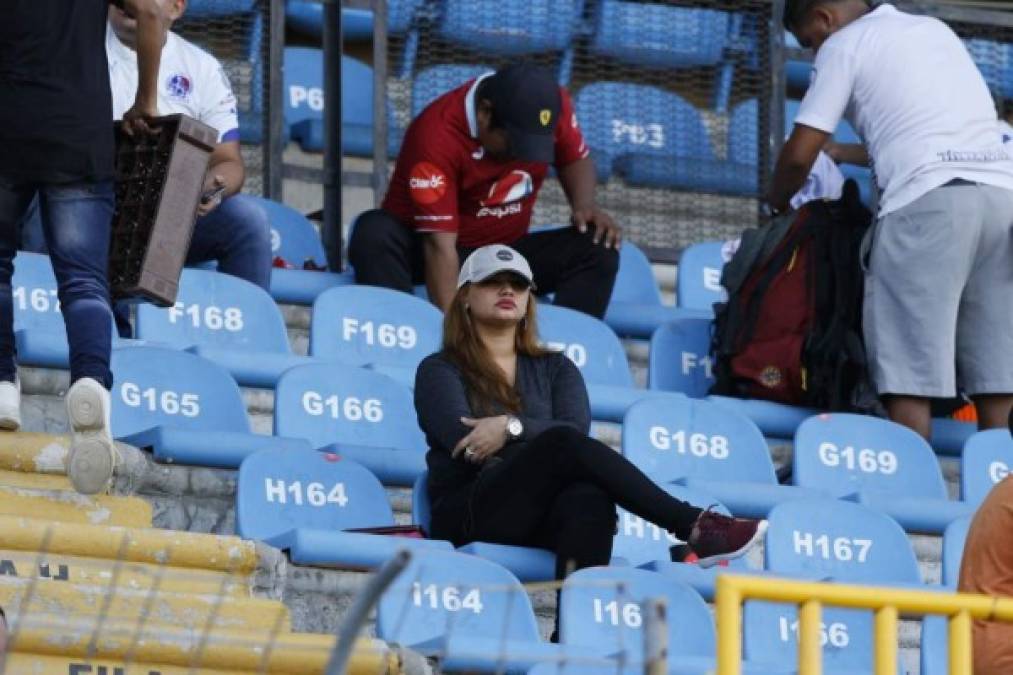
(810,652)
(960,644)
(727,603)
(886,641)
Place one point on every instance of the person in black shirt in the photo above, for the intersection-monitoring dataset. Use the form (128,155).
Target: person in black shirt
(507,421)
(56,140)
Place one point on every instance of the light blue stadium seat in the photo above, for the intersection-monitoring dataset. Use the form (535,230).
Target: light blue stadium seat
(472,612)
(796,72)
(679,358)
(878,464)
(658,35)
(307,17)
(935,647)
(493,27)
(995,61)
(296,240)
(357,413)
(434,81)
(208,8)
(953,550)
(303,500)
(185,408)
(635,308)
(227,320)
(708,448)
(698,285)
(386,330)
(526,563)
(988,456)
(599,355)
(648,135)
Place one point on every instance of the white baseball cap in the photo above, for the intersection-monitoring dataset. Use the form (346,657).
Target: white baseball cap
(489,260)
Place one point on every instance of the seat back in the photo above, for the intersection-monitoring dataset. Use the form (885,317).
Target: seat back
(601,608)
(156,387)
(635,281)
(589,343)
(293,236)
(842,454)
(953,550)
(442,593)
(206,8)
(659,35)
(421,513)
(698,282)
(33,290)
(987,458)
(330,403)
(682,437)
(218,310)
(620,119)
(280,491)
(435,81)
(995,61)
(830,539)
(489,26)
(364,324)
(935,648)
(679,359)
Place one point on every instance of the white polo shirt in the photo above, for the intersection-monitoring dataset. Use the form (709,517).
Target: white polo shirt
(909,87)
(190,81)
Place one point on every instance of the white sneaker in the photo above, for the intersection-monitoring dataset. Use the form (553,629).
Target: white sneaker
(10,405)
(92,458)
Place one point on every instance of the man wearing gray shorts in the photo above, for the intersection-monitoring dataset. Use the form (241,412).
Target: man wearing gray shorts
(939,261)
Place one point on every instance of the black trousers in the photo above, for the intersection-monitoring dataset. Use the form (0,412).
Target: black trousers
(565,262)
(559,491)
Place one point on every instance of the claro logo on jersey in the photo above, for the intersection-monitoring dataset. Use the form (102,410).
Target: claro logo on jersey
(506,194)
(427,183)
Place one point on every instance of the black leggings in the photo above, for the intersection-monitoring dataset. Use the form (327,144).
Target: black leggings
(559,491)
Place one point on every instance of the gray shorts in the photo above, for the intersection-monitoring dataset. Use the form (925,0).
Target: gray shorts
(939,294)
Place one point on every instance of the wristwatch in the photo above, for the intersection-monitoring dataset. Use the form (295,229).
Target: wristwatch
(514,428)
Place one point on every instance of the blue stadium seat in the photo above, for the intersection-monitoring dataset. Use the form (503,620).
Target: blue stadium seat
(698,285)
(827,539)
(357,413)
(473,613)
(995,61)
(796,72)
(307,16)
(387,330)
(679,358)
(879,464)
(953,550)
(302,500)
(935,647)
(988,456)
(527,564)
(208,8)
(304,103)
(227,320)
(294,239)
(635,308)
(434,81)
(185,408)
(596,350)
(488,26)
(648,135)
(659,36)
(705,447)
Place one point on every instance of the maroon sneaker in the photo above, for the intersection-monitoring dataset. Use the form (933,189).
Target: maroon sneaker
(716,537)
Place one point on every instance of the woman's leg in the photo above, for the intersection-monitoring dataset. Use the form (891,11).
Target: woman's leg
(579,526)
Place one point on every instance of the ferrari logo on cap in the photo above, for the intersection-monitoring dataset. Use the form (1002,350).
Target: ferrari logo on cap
(545,116)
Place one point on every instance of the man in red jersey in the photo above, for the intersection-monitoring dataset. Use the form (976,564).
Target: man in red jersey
(468,174)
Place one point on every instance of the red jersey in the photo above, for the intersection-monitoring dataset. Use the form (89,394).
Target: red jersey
(444,183)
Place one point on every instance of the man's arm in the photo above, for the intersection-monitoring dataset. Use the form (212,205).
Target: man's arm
(225,169)
(794,164)
(152,24)
(579,183)
(848,153)
(442,265)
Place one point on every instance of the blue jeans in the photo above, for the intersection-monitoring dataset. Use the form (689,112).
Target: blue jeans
(75,222)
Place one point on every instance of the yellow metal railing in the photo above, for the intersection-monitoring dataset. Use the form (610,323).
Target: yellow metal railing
(887,603)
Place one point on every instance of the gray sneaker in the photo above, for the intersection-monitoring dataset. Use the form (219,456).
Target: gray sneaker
(92,457)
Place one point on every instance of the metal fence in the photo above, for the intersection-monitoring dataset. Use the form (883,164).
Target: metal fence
(246,36)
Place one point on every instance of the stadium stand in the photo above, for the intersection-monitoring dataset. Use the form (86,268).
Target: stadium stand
(987,458)
(953,550)
(679,358)
(307,16)
(431,83)
(699,282)
(356,413)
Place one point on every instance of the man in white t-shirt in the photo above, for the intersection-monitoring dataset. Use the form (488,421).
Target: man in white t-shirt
(231,228)
(939,278)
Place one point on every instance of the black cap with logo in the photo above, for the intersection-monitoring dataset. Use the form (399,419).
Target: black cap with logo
(526,101)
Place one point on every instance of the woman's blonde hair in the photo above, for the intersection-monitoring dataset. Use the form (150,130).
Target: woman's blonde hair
(489,393)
